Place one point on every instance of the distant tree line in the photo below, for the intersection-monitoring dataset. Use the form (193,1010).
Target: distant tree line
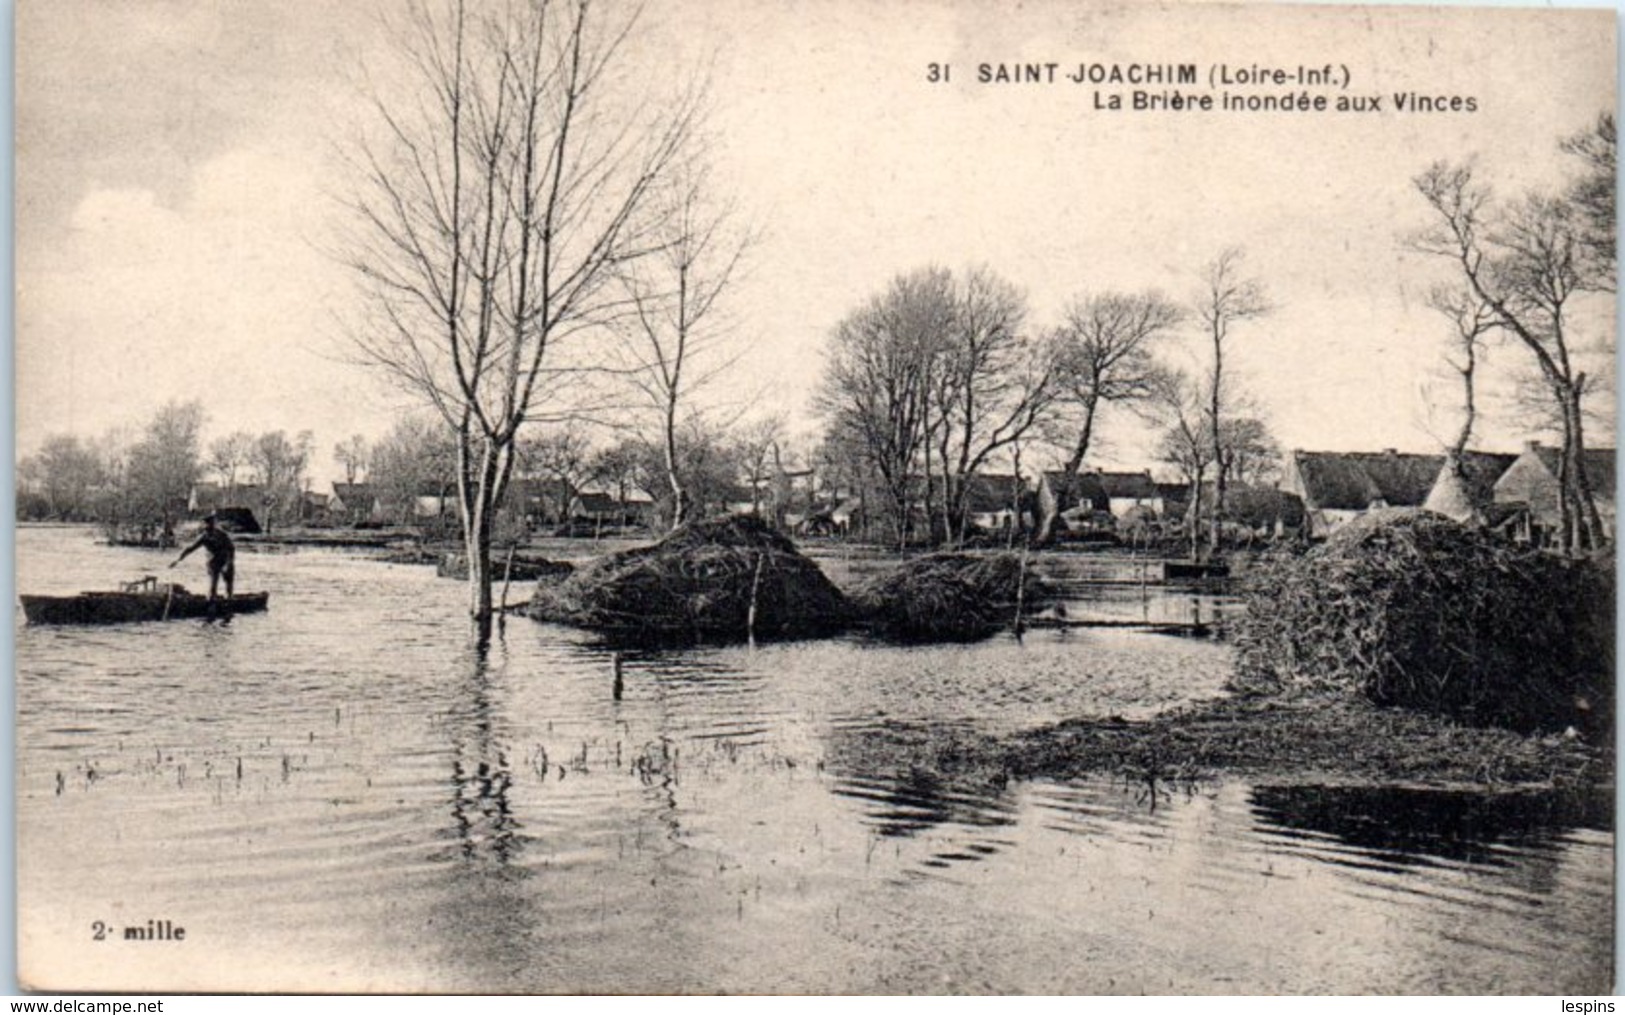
(139,487)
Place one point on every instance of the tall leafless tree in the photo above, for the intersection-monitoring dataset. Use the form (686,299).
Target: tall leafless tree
(351,454)
(1470,320)
(758,444)
(992,385)
(1227,298)
(280,465)
(1527,263)
(499,187)
(562,459)
(1592,194)
(230,454)
(674,297)
(878,380)
(1186,442)
(1103,355)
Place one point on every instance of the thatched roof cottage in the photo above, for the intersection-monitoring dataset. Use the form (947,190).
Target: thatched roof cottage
(1465,488)
(995,500)
(1128,490)
(1071,494)
(1531,481)
(1336,487)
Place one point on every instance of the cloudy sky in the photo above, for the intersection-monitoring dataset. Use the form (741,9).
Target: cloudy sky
(176,166)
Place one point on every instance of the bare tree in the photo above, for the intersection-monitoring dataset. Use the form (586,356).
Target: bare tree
(229,454)
(1247,447)
(758,444)
(351,456)
(992,385)
(1227,298)
(563,459)
(620,467)
(65,473)
(1470,320)
(280,464)
(1592,195)
(157,475)
(1186,442)
(674,296)
(1103,355)
(878,381)
(499,190)
(1526,264)
(417,455)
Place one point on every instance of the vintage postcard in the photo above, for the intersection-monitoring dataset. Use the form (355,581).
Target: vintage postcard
(830,497)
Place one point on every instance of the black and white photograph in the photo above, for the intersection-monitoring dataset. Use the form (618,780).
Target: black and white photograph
(821,497)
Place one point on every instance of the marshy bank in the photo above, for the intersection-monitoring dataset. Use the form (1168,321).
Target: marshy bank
(1406,650)
(1298,740)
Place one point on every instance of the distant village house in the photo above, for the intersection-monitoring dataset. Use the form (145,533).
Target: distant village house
(1337,487)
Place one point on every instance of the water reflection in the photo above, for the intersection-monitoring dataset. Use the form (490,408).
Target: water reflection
(1411,827)
(483,820)
(907,803)
(967,817)
(399,814)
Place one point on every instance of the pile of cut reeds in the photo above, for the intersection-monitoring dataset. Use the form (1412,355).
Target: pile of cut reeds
(727,579)
(947,596)
(1413,609)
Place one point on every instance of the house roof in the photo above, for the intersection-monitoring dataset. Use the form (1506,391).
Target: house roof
(1599,467)
(1355,481)
(595,504)
(213,495)
(1070,490)
(1263,505)
(634,494)
(1135,485)
(988,494)
(1462,492)
(353,493)
(1174,491)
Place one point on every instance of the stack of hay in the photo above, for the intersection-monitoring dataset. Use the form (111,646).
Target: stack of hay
(699,582)
(946,596)
(1412,609)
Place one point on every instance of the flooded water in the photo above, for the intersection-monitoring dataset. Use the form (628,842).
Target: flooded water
(335,795)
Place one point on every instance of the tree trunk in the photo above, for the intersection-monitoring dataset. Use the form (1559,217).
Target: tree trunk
(1589,520)
(1566,541)
(477,548)
(1085,435)
(477,493)
(1218,446)
(679,496)
(1469,409)
(1196,514)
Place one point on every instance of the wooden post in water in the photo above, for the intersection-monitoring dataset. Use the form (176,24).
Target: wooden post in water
(1021,591)
(1145,601)
(755,590)
(507,576)
(616,690)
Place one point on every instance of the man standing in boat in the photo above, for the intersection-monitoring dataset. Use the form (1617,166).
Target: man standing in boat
(222,556)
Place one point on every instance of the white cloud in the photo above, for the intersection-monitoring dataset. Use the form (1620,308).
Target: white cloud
(221,298)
